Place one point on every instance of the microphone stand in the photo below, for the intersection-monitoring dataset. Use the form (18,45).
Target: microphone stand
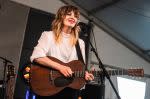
(4,77)
(105,73)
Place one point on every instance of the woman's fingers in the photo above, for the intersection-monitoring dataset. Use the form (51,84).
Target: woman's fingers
(66,71)
(88,76)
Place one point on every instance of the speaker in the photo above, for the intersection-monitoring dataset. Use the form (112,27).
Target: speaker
(38,21)
(1,93)
(93,91)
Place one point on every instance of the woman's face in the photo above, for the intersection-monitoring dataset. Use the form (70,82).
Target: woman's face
(70,19)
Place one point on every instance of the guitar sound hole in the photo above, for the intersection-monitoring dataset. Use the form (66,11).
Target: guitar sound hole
(63,81)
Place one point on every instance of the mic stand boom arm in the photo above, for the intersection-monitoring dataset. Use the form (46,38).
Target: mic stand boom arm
(105,73)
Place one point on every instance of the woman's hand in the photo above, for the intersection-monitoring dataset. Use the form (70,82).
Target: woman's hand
(88,76)
(66,71)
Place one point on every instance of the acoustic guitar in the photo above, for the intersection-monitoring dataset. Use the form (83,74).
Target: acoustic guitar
(46,81)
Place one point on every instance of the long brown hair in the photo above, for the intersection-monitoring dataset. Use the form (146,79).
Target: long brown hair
(57,24)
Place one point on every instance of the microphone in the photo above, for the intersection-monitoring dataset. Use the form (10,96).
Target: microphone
(86,28)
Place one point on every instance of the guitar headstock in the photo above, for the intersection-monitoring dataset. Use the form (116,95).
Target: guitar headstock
(136,72)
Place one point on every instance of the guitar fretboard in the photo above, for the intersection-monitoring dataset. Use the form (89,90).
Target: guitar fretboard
(98,73)
(132,72)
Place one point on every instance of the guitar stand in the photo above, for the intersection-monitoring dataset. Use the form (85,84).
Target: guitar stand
(5,61)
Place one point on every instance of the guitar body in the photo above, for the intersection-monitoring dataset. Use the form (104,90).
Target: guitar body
(46,82)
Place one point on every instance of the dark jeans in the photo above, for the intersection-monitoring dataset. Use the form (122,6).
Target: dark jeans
(67,93)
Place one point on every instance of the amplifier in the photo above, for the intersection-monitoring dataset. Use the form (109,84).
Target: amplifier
(1,93)
(93,91)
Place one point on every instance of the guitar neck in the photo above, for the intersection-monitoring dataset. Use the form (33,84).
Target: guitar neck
(111,72)
(130,72)
(98,73)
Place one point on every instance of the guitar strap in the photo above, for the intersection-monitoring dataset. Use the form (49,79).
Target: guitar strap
(80,57)
(79,54)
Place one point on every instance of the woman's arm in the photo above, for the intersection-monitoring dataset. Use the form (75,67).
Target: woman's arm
(65,70)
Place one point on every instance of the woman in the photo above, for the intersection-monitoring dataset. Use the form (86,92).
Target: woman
(60,43)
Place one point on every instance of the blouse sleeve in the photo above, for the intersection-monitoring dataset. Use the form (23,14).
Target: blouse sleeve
(82,47)
(41,49)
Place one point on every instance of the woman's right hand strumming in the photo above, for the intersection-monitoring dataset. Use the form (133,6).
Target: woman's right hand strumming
(66,71)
